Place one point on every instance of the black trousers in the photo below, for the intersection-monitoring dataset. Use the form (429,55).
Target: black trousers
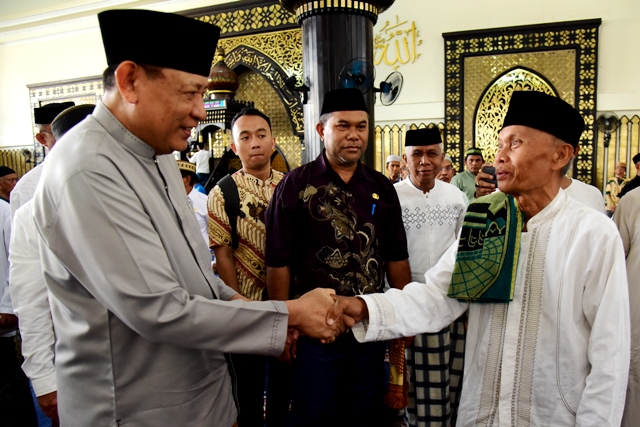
(278,393)
(341,384)
(16,404)
(251,371)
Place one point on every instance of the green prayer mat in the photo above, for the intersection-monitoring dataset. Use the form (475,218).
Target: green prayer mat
(485,269)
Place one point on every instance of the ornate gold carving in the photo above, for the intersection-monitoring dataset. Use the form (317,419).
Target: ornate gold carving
(480,71)
(276,56)
(262,18)
(493,107)
(284,47)
(395,34)
(579,37)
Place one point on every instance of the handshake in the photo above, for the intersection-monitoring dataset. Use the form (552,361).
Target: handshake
(322,314)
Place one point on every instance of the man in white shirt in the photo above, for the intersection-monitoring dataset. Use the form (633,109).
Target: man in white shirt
(584,193)
(28,290)
(201,160)
(447,172)
(16,404)
(197,199)
(42,116)
(432,214)
(393,168)
(627,219)
(551,345)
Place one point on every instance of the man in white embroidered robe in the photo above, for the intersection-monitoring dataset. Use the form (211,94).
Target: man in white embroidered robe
(432,214)
(558,353)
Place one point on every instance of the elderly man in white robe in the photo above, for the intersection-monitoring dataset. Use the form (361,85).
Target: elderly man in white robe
(544,283)
(142,324)
(432,214)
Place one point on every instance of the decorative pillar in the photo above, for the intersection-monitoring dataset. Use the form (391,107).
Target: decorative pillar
(333,33)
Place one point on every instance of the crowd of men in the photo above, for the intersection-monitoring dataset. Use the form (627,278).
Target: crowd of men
(500,296)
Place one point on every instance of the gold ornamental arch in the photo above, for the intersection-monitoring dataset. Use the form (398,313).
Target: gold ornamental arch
(493,104)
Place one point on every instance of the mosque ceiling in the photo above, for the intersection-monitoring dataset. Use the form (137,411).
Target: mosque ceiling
(22,20)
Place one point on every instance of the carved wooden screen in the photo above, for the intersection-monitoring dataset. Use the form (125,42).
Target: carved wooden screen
(562,54)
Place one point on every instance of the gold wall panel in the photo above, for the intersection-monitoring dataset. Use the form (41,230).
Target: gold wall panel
(261,18)
(283,47)
(18,159)
(480,71)
(276,56)
(493,105)
(544,48)
(254,87)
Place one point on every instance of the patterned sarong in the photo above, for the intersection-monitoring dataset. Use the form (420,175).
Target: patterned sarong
(397,393)
(485,269)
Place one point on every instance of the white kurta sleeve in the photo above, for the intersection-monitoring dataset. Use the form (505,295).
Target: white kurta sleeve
(6,305)
(95,229)
(623,216)
(605,305)
(5,296)
(418,308)
(31,303)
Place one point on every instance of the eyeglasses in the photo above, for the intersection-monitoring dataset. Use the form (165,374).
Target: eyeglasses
(447,168)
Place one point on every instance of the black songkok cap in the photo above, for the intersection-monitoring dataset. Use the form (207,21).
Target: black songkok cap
(69,118)
(424,136)
(343,100)
(547,113)
(4,171)
(161,39)
(44,115)
(636,159)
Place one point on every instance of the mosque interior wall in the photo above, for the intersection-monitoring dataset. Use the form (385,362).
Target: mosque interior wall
(409,39)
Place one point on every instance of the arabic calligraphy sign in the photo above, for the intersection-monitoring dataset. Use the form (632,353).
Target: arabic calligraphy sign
(397,43)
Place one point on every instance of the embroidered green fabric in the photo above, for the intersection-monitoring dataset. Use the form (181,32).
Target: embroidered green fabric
(485,269)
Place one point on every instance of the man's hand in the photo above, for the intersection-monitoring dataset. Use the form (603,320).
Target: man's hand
(8,321)
(49,404)
(308,314)
(350,309)
(290,347)
(242,297)
(483,187)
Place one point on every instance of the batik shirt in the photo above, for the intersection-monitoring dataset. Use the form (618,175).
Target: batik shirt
(333,234)
(248,258)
